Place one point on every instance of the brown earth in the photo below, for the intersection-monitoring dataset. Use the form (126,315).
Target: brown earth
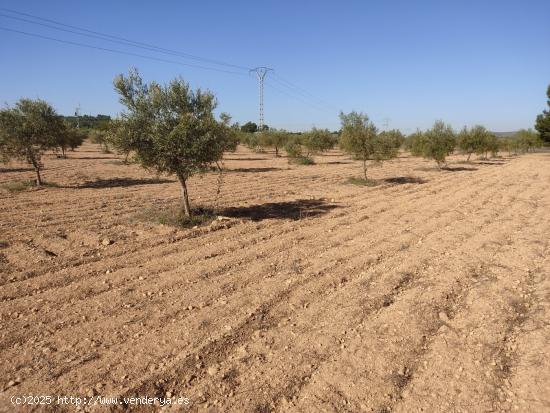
(429,292)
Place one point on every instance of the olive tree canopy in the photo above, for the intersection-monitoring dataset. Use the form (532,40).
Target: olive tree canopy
(29,129)
(360,138)
(436,143)
(170,128)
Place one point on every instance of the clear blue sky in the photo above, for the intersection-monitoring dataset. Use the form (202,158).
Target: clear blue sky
(466,62)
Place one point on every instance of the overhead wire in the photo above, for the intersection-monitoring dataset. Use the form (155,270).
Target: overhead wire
(113,38)
(290,89)
(119,51)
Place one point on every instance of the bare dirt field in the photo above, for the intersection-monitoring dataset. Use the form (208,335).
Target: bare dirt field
(429,292)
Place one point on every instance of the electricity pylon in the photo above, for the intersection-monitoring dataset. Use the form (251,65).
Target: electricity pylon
(77,114)
(261,72)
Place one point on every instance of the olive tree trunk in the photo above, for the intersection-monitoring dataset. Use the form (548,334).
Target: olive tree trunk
(38,178)
(365,168)
(184,195)
(36,165)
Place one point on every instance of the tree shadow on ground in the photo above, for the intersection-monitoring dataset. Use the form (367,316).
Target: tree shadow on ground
(253,169)
(337,162)
(91,157)
(498,163)
(295,210)
(457,169)
(122,182)
(401,180)
(245,159)
(22,169)
(447,168)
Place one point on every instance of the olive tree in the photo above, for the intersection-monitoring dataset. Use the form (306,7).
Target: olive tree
(317,141)
(70,138)
(435,143)
(171,128)
(476,140)
(528,140)
(360,138)
(394,137)
(27,130)
(273,138)
(489,144)
(412,143)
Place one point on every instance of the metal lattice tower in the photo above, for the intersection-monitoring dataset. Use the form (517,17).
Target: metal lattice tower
(77,114)
(261,72)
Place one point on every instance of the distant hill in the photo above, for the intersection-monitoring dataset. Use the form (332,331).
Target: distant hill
(504,135)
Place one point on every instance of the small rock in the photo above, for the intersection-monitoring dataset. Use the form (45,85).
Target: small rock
(443,317)
(212,370)
(106,241)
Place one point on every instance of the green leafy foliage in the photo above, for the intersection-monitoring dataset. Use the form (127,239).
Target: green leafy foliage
(477,140)
(394,137)
(273,138)
(360,138)
(436,143)
(170,128)
(249,127)
(295,151)
(542,124)
(71,138)
(87,121)
(412,143)
(528,140)
(29,129)
(104,138)
(318,141)
(251,141)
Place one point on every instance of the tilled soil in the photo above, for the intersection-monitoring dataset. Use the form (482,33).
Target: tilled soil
(428,292)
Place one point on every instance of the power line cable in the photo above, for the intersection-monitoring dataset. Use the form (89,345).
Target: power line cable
(113,38)
(303,98)
(314,106)
(296,92)
(106,49)
(300,90)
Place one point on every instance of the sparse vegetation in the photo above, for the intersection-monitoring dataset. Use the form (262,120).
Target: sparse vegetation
(17,186)
(362,181)
(360,138)
(272,138)
(528,140)
(317,141)
(176,217)
(103,139)
(394,137)
(171,129)
(436,143)
(71,139)
(29,129)
(295,151)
